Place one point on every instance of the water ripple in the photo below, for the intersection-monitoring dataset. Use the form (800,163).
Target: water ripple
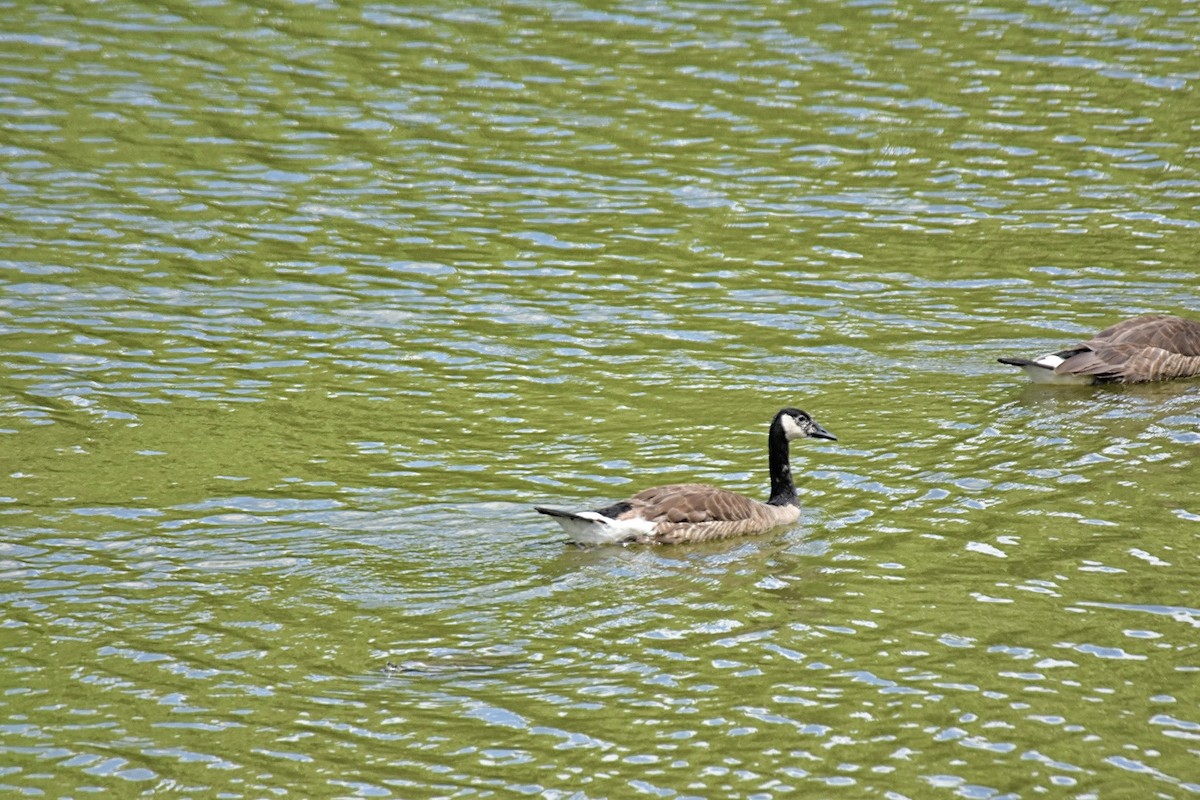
(304,311)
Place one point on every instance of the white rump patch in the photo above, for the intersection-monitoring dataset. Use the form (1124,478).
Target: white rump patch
(1042,371)
(1049,361)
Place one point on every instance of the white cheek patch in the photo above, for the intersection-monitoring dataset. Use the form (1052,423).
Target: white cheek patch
(791,428)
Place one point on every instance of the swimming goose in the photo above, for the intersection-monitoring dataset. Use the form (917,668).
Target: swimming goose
(1156,347)
(697,512)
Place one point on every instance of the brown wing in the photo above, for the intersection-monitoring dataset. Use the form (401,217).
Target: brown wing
(690,502)
(1172,334)
(1136,364)
(1150,348)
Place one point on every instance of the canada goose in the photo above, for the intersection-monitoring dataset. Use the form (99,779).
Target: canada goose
(697,512)
(1156,347)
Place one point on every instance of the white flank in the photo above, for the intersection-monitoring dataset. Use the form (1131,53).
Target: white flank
(1040,372)
(590,528)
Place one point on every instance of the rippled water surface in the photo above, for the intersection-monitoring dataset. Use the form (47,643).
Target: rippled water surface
(304,306)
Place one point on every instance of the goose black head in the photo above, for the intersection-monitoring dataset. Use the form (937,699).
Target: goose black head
(798,424)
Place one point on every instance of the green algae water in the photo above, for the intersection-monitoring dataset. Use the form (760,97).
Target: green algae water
(304,306)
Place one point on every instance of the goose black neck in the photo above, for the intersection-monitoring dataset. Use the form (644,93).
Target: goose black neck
(783,489)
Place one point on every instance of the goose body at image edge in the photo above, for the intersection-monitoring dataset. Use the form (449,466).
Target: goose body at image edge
(1154,347)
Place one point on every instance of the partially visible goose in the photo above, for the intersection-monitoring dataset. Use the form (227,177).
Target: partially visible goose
(1156,347)
(697,512)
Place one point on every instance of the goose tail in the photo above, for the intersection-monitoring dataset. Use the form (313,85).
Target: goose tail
(594,528)
(1043,370)
(556,512)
